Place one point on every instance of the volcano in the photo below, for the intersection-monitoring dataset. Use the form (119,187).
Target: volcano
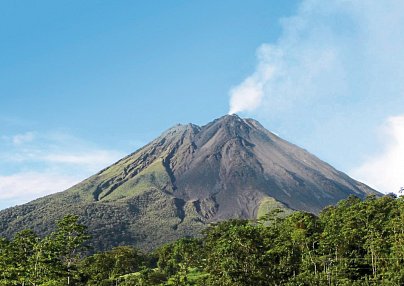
(186,178)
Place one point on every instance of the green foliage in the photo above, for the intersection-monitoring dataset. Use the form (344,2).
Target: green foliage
(353,243)
(30,260)
(268,205)
(154,176)
(111,266)
(234,253)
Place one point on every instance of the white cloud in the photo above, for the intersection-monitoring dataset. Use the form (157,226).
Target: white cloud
(25,186)
(93,160)
(36,164)
(57,148)
(23,138)
(385,171)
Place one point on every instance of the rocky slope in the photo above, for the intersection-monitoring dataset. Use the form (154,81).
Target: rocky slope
(187,178)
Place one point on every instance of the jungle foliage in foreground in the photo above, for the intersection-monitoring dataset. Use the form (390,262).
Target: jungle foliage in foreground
(354,243)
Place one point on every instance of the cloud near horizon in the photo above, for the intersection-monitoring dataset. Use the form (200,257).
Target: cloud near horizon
(41,164)
(385,171)
(26,186)
(335,73)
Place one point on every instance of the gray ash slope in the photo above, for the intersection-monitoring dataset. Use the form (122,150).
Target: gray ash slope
(186,178)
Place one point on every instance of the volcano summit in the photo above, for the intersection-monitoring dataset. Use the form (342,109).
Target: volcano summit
(187,178)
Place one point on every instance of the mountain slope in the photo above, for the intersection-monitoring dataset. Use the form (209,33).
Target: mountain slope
(186,178)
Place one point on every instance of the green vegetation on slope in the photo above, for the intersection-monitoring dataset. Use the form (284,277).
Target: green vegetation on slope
(154,176)
(268,205)
(353,243)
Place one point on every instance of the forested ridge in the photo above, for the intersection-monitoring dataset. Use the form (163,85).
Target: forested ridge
(353,243)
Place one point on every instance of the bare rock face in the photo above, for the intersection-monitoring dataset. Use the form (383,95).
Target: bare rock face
(186,178)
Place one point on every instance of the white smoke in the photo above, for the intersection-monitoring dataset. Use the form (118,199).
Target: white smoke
(334,74)
(248,95)
(330,51)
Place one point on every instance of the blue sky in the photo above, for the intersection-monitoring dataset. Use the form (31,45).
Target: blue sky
(83,83)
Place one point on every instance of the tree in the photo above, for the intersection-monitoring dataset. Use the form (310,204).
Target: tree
(67,242)
(235,254)
(22,250)
(7,267)
(111,266)
(176,259)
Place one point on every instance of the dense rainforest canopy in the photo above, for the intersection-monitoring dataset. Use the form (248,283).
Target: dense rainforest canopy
(353,243)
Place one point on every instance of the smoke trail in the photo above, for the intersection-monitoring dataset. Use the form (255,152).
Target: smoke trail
(338,65)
